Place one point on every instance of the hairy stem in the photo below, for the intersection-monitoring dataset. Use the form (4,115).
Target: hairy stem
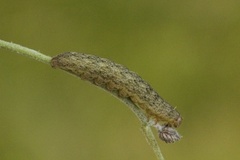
(25,51)
(146,130)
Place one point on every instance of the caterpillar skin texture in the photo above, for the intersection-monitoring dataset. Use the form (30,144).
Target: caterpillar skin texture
(114,77)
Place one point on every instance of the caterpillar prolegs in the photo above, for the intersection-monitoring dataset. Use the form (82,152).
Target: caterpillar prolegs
(116,78)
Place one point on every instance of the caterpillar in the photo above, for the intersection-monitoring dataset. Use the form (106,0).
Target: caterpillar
(127,84)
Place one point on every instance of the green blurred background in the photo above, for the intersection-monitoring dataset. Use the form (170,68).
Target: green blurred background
(189,52)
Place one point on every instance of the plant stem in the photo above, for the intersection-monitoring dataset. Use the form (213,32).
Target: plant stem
(25,51)
(152,141)
(146,130)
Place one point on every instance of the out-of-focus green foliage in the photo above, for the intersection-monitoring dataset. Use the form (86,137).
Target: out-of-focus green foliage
(187,50)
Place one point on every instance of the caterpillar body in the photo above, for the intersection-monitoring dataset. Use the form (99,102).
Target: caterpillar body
(116,78)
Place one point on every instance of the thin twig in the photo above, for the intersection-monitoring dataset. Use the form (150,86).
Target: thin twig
(146,129)
(25,51)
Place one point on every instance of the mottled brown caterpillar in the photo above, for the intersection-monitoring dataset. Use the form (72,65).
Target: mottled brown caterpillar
(116,78)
